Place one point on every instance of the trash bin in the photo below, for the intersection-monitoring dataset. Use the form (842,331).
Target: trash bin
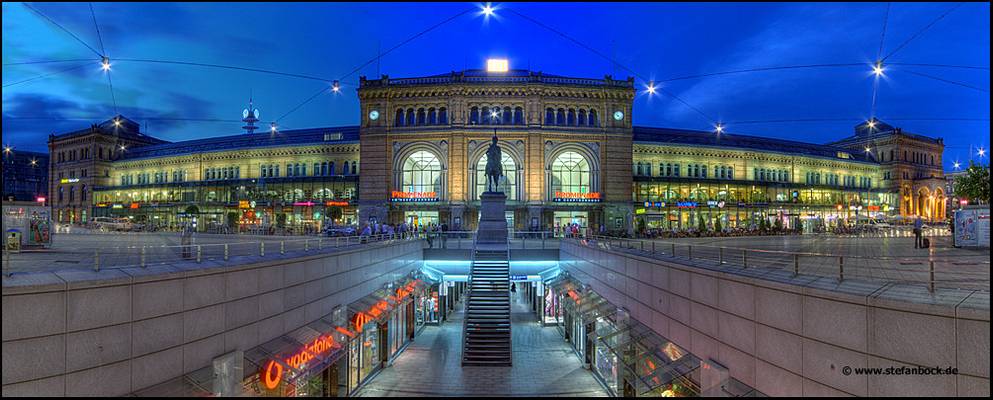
(13,242)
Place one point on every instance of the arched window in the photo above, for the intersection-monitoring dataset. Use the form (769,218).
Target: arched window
(443,116)
(549,116)
(410,117)
(355,167)
(570,173)
(637,169)
(432,116)
(331,168)
(82,193)
(560,117)
(508,182)
(486,116)
(421,117)
(593,118)
(324,168)
(508,116)
(398,120)
(344,168)
(474,116)
(582,118)
(518,116)
(571,118)
(421,173)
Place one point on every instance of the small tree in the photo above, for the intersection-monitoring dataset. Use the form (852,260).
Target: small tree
(717,225)
(701,224)
(280,220)
(975,184)
(641,225)
(779,225)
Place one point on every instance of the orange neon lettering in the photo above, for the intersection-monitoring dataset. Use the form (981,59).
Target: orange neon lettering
(271,378)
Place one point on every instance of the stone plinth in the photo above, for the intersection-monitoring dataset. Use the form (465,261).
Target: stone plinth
(492,218)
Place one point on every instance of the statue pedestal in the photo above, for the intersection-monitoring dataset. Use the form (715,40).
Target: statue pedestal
(492,219)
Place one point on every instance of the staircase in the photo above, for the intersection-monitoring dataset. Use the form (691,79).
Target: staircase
(486,332)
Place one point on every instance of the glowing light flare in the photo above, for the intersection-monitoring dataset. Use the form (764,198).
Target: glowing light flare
(272,127)
(868,149)
(117,122)
(956,165)
(7,149)
(123,147)
(650,88)
(877,69)
(981,152)
(487,10)
(719,128)
(336,87)
(34,162)
(105,64)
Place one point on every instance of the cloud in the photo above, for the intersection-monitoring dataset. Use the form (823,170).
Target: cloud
(796,35)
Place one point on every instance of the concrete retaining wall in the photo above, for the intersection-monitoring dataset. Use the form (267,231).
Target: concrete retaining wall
(792,336)
(82,333)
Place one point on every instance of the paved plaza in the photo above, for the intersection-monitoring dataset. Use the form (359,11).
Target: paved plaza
(544,365)
(891,259)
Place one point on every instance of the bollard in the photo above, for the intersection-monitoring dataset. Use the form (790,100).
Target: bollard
(653,247)
(690,251)
(796,264)
(262,249)
(225,251)
(320,243)
(841,268)
(199,253)
(930,286)
(282,247)
(96,260)
(143,256)
(720,256)
(673,254)
(337,242)
(306,245)
(744,258)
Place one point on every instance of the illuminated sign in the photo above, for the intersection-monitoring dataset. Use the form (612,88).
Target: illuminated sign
(873,208)
(117,206)
(69,180)
(304,204)
(243,204)
(686,204)
(639,211)
(272,374)
(103,205)
(40,199)
(593,197)
(134,206)
(415,196)
(497,65)
(336,204)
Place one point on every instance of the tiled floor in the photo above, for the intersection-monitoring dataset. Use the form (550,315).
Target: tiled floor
(544,365)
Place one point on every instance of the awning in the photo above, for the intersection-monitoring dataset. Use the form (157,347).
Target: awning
(657,362)
(375,306)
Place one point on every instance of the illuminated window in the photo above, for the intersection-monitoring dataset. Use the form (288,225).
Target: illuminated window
(571,173)
(421,173)
(507,184)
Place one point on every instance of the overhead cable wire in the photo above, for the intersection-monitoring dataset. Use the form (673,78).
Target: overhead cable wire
(928,26)
(598,53)
(99,37)
(46,62)
(378,57)
(948,81)
(64,29)
(46,75)
(232,67)
(941,65)
(760,69)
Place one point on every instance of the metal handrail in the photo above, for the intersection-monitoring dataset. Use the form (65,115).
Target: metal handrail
(786,259)
(143,256)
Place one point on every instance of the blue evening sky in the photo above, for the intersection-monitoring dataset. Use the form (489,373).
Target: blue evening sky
(658,41)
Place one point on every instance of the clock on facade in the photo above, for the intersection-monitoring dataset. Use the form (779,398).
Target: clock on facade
(373,115)
(618,115)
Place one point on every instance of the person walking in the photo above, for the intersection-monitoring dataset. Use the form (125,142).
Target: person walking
(918,227)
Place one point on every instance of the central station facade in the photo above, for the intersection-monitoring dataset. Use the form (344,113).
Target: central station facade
(571,155)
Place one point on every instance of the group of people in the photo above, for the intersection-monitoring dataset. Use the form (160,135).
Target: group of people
(569,230)
(726,232)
